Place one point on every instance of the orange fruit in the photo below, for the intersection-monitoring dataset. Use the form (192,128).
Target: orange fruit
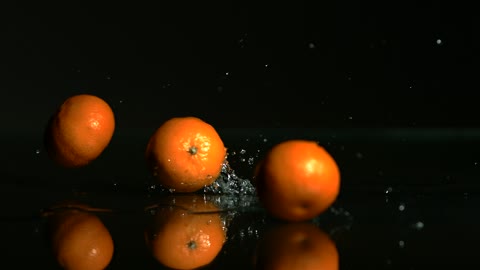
(293,246)
(185,154)
(297,180)
(186,232)
(80,130)
(80,240)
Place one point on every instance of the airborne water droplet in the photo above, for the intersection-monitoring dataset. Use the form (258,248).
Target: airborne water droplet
(418,225)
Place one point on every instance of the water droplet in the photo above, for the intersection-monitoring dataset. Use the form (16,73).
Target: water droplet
(251,161)
(418,225)
(311,45)
(120,101)
(350,117)
(266,65)
(243,151)
(475,163)
(37,151)
(226,73)
(388,190)
(401,244)
(401,207)
(108,78)
(265,140)
(359,155)
(439,42)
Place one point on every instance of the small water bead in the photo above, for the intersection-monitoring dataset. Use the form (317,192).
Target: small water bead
(418,225)
(251,161)
(401,207)
(243,151)
(37,151)
(401,244)
(388,190)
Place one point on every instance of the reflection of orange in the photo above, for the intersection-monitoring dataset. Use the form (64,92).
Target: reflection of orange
(297,180)
(80,130)
(186,154)
(80,241)
(296,246)
(181,236)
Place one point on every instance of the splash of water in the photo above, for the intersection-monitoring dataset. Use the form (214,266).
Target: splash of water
(229,183)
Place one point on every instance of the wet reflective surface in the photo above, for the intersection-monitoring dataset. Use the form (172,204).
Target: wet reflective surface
(408,201)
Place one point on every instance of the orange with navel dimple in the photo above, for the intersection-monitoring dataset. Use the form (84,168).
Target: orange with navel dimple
(186,232)
(185,154)
(297,180)
(79,131)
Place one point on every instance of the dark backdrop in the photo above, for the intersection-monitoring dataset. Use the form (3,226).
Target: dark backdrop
(242,65)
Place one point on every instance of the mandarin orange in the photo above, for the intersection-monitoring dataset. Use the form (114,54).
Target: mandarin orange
(80,240)
(297,180)
(79,131)
(185,154)
(296,246)
(186,232)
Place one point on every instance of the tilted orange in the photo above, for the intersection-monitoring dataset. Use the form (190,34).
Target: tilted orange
(80,240)
(79,131)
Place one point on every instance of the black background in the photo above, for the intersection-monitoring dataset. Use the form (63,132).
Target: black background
(330,66)
(237,64)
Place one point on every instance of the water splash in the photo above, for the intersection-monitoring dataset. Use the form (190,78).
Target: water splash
(230,184)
